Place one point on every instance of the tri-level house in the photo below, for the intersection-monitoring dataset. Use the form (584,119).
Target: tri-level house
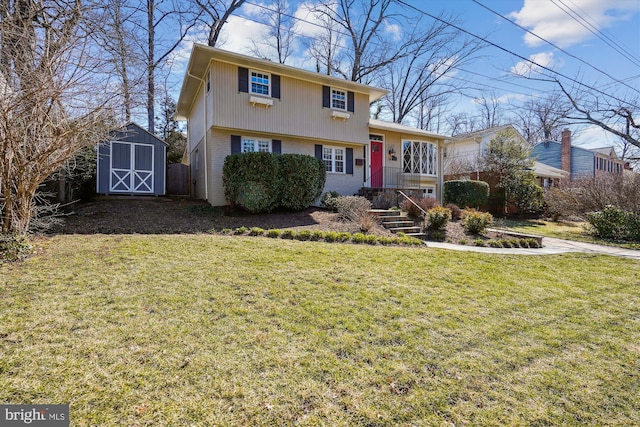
(235,103)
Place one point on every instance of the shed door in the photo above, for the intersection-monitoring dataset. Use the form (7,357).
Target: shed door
(131,168)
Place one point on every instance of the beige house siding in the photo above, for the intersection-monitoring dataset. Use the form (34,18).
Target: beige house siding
(196,121)
(299,110)
(196,160)
(219,141)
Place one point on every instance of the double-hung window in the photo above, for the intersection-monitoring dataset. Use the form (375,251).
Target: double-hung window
(260,83)
(420,157)
(338,99)
(333,158)
(250,145)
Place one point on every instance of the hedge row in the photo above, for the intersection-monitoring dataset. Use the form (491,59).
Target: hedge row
(262,182)
(326,236)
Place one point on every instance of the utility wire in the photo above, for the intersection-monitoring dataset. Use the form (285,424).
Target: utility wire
(595,31)
(497,46)
(556,46)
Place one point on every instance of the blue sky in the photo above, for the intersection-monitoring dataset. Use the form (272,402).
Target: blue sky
(599,33)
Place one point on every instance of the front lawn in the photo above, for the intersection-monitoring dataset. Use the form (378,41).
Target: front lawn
(203,330)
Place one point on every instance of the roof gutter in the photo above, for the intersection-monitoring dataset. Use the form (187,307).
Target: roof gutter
(204,121)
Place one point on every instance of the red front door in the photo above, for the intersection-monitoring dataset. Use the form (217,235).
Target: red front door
(376,164)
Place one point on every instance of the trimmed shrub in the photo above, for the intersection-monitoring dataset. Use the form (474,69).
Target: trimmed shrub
(240,230)
(251,181)
(475,221)
(329,200)
(466,193)
(479,242)
(303,235)
(316,235)
(301,179)
(371,239)
(425,203)
(287,234)
(14,248)
(456,212)
(614,223)
(437,218)
(357,238)
(256,231)
(274,233)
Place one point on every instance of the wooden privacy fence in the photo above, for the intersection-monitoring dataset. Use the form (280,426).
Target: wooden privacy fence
(178,179)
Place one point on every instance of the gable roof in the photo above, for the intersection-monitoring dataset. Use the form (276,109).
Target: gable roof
(127,132)
(484,132)
(202,55)
(606,151)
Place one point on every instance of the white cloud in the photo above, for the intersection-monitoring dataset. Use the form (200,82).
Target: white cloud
(393,30)
(548,19)
(238,33)
(526,69)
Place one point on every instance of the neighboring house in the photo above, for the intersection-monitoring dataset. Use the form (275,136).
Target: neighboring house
(132,162)
(577,161)
(464,153)
(235,103)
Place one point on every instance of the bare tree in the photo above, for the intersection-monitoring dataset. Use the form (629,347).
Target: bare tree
(279,44)
(421,79)
(49,103)
(118,39)
(542,119)
(617,116)
(324,47)
(490,111)
(217,13)
(371,31)
(461,123)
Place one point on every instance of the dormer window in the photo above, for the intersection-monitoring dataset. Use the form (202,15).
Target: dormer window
(260,83)
(338,99)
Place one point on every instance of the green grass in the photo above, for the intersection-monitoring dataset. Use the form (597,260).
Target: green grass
(576,231)
(225,330)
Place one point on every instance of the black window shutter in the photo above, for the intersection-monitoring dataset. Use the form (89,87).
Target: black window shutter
(349,161)
(243,79)
(326,96)
(276,146)
(350,102)
(236,144)
(318,151)
(275,86)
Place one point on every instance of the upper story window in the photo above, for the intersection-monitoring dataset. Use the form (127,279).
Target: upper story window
(420,157)
(338,99)
(250,145)
(333,158)
(260,83)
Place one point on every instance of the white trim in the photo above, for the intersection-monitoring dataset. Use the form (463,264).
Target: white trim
(340,115)
(128,176)
(384,159)
(256,100)
(333,159)
(265,74)
(256,144)
(331,99)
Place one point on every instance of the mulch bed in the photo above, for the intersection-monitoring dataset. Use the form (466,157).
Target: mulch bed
(168,215)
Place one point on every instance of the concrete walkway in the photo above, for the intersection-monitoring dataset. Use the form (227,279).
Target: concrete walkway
(550,246)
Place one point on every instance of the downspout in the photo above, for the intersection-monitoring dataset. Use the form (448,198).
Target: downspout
(204,97)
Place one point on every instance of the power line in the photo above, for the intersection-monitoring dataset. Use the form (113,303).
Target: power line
(556,46)
(497,46)
(595,31)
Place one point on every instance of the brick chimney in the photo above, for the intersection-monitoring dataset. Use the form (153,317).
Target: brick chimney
(566,151)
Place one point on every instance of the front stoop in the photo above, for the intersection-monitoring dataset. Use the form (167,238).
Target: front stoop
(397,222)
